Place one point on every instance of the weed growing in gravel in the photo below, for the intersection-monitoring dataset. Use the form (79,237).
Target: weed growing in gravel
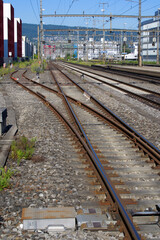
(4,71)
(22,148)
(25,64)
(5,176)
(37,67)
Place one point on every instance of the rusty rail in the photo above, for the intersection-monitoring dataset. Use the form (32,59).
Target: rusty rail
(139,140)
(123,90)
(129,227)
(115,80)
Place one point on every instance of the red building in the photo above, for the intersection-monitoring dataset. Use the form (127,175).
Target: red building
(17,37)
(1,33)
(11,34)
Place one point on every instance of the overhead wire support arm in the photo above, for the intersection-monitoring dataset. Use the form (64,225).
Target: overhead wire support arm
(94,15)
(96,30)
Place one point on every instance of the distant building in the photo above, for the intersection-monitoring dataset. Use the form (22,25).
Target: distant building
(10,34)
(149,39)
(18,37)
(27,48)
(1,33)
(134,54)
(8,27)
(94,49)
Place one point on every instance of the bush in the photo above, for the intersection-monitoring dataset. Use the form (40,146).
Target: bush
(5,176)
(22,148)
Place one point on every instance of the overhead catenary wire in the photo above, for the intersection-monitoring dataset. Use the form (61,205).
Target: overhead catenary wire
(145,11)
(38,6)
(127,11)
(151,8)
(58,5)
(34,11)
(68,11)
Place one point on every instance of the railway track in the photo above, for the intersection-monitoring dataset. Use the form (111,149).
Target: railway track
(149,76)
(105,140)
(143,94)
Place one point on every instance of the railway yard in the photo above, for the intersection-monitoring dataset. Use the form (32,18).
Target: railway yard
(97,133)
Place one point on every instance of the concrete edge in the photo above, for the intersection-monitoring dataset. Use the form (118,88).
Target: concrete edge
(6,145)
(6,140)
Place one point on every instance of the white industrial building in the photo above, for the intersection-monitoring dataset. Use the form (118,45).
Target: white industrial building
(17,38)
(27,48)
(149,39)
(134,54)
(96,49)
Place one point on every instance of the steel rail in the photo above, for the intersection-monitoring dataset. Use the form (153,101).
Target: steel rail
(115,80)
(136,74)
(121,89)
(100,169)
(117,124)
(133,234)
(152,151)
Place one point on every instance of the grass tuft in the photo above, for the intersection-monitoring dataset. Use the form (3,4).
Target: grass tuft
(5,176)
(22,148)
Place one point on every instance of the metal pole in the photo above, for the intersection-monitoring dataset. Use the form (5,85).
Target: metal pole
(41,31)
(86,53)
(103,43)
(158,39)
(121,45)
(38,42)
(94,34)
(124,40)
(33,51)
(78,45)
(139,40)
(147,44)
(103,10)
(87,45)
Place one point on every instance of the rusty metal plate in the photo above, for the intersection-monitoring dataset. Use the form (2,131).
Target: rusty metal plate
(58,218)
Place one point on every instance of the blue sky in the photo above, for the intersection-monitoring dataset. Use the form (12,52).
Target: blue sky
(28,11)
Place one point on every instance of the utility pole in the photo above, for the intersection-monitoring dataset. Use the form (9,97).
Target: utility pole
(94,34)
(158,38)
(121,45)
(87,40)
(78,45)
(139,40)
(103,10)
(38,41)
(124,41)
(41,31)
